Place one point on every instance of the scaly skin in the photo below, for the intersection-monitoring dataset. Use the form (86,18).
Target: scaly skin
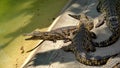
(64,33)
(88,22)
(83,38)
(82,17)
(110,16)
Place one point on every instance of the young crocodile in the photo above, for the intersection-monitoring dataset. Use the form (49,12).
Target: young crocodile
(82,38)
(64,33)
(88,22)
(110,11)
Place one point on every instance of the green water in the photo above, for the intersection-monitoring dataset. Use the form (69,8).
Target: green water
(21,16)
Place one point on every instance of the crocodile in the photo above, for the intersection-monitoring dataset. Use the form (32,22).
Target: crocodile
(64,33)
(88,22)
(81,39)
(109,10)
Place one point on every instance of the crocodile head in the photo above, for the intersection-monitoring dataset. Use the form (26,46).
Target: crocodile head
(35,35)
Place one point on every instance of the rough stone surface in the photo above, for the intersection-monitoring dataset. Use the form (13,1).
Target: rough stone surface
(49,55)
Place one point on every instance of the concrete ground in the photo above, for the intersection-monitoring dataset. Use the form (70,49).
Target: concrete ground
(49,54)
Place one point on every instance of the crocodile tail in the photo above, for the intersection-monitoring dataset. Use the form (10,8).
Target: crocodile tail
(97,61)
(112,39)
(94,61)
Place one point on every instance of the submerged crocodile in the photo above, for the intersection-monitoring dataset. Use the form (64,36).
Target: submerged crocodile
(81,39)
(110,16)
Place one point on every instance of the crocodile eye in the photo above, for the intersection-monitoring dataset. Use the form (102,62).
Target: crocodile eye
(74,32)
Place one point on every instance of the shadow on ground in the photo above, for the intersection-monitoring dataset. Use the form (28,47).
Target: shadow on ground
(45,58)
(52,56)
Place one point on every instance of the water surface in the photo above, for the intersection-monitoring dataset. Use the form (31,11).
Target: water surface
(22,16)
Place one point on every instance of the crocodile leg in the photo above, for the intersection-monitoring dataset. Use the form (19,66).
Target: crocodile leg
(69,34)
